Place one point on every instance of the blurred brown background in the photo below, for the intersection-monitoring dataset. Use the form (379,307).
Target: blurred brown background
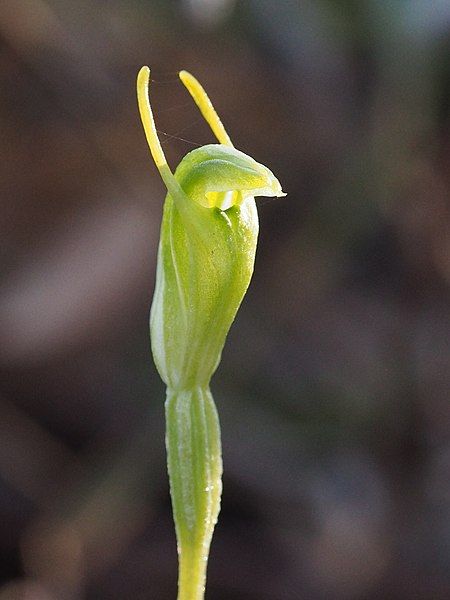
(333,388)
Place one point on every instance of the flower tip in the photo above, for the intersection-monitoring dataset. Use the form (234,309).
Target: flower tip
(144,72)
(274,185)
(143,79)
(276,188)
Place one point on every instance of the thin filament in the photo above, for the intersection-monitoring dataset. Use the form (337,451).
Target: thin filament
(206,108)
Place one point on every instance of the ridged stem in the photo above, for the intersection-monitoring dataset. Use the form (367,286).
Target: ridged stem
(195,471)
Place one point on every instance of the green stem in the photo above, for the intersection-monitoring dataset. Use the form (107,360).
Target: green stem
(195,470)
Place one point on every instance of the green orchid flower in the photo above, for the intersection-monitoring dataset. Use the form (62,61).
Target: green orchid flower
(206,256)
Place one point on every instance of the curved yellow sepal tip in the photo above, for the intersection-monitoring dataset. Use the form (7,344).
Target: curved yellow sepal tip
(151,134)
(148,121)
(203,102)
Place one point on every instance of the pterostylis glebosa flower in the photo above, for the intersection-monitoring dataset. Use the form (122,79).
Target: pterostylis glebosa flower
(205,261)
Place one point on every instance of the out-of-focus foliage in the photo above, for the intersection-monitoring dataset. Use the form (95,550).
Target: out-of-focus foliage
(334,385)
